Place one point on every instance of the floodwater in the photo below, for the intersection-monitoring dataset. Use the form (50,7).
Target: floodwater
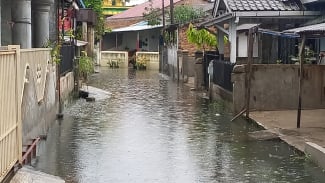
(153,130)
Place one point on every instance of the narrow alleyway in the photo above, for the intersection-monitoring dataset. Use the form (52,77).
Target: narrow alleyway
(152,130)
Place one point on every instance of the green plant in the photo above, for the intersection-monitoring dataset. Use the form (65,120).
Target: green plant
(97,5)
(185,13)
(141,62)
(113,64)
(202,38)
(86,65)
(152,15)
(55,51)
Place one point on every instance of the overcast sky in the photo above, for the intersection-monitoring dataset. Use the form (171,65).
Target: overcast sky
(134,2)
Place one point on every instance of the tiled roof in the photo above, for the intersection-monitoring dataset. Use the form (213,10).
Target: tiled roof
(262,5)
(138,10)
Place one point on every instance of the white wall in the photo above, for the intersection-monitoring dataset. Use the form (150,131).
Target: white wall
(129,40)
(152,37)
(243,46)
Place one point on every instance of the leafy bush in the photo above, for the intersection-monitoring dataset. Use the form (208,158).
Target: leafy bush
(97,6)
(86,65)
(202,38)
(185,14)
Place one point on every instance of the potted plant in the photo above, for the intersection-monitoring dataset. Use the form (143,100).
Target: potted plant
(141,62)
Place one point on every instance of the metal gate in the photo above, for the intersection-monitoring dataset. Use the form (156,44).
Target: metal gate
(10,117)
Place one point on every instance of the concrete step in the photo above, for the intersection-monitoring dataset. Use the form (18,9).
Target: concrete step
(264,135)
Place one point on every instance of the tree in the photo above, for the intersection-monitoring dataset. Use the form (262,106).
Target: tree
(185,14)
(97,5)
(202,38)
(152,15)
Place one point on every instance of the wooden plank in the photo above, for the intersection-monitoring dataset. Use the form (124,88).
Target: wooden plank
(251,31)
(301,72)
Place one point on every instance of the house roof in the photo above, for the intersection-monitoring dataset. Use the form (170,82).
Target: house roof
(138,10)
(143,25)
(136,28)
(262,5)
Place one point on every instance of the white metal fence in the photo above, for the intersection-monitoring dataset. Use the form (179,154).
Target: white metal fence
(10,123)
(13,65)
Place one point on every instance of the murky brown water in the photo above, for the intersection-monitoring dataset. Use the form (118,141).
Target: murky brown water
(152,130)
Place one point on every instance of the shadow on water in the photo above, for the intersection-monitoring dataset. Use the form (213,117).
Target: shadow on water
(153,130)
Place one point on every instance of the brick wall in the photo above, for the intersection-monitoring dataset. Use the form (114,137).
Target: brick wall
(183,43)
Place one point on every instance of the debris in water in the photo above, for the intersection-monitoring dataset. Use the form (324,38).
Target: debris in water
(90,99)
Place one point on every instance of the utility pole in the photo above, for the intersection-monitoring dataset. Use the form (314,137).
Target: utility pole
(162,34)
(163,13)
(60,42)
(171,5)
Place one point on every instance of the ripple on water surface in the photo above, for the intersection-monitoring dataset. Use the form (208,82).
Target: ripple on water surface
(153,130)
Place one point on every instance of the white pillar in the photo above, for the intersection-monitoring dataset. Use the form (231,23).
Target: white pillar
(41,21)
(221,45)
(233,41)
(22,27)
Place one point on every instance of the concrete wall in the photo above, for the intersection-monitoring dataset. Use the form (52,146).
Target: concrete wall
(151,38)
(66,86)
(190,64)
(37,116)
(275,87)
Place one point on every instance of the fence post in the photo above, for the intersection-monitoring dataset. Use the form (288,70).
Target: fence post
(179,59)
(185,66)
(210,72)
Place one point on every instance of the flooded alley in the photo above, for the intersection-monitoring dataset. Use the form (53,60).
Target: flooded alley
(151,129)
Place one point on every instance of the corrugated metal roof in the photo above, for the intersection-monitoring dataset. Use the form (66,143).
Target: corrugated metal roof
(246,26)
(136,28)
(316,28)
(138,10)
(262,5)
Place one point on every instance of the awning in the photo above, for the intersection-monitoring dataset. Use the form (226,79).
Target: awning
(78,42)
(215,20)
(81,43)
(316,29)
(246,26)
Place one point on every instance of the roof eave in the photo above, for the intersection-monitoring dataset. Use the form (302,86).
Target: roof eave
(215,20)
(275,13)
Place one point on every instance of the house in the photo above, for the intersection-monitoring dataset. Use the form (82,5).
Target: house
(113,7)
(275,86)
(131,32)
(234,17)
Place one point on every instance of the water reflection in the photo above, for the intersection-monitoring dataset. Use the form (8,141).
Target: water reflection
(153,130)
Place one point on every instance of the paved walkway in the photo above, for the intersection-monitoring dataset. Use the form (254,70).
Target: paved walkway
(29,175)
(312,128)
